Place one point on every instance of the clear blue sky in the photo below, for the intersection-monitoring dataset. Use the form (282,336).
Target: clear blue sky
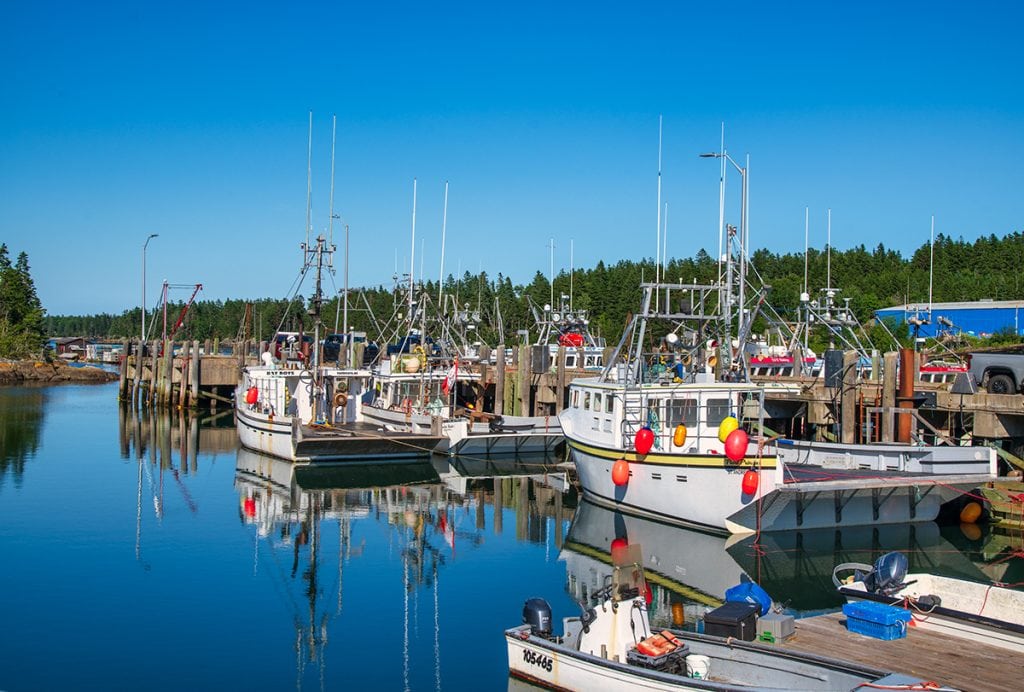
(190,120)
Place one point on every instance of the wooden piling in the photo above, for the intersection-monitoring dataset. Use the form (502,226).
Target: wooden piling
(154,368)
(122,391)
(499,381)
(848,397)
(888,395)
(168,385)
(523,383)
(193,400)
(560,379)
(138,375)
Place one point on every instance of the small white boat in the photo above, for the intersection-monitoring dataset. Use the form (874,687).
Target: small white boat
(611,646)
(415,393)
(982,613)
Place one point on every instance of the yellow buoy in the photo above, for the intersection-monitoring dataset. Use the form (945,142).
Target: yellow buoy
(726,427)
(679,436)
(970,513)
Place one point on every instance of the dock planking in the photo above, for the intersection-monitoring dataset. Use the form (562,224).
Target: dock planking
(934,656)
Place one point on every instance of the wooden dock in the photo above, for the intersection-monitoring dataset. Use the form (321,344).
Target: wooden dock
(947,660)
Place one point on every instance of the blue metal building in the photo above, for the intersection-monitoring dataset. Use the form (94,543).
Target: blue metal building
(979,318)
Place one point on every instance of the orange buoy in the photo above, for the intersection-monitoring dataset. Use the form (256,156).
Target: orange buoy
(644,440)
(252,395)
(679,436)
(620,472)
(736,445)
(971,532)
(726,427)
(749,484)
(678,615)
(970,513)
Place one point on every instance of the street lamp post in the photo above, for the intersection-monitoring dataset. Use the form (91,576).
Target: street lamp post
(742,232)
(144,245)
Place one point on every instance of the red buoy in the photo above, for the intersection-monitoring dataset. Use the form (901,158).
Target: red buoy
(620,472)
(250,507)
(644,440)
(648,594)
(252,395)
(749,484)
(736,445)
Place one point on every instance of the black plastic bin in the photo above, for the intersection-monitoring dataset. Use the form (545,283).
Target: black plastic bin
(736,620)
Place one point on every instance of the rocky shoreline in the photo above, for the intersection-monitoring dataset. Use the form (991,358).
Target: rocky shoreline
(37,371)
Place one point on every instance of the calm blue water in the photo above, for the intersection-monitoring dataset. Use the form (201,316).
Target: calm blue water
(150,553)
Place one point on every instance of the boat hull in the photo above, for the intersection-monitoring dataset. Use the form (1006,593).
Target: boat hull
(977,612)
(557,666)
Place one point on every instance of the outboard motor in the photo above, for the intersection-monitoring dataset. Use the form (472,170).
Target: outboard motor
(887,574)
(537,614)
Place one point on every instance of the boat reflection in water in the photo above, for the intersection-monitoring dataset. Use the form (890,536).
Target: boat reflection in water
(425,511)
(690,571)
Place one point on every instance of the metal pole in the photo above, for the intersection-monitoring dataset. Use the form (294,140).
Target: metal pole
(144,245)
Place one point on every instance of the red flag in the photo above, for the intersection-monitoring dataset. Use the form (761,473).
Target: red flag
(449,380)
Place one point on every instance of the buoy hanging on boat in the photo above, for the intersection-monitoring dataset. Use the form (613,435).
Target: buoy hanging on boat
(679,436)
(648,594)
(736,445)
(678,615)
(252,395)
(644,440)
(749,484)
(250,507)
(970,513)
(728,424)
(620,472)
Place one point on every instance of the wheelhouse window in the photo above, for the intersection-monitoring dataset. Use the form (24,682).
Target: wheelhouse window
(575,403)
(609,404)
(586,401)
(717,411)
(597,401)
(681,411)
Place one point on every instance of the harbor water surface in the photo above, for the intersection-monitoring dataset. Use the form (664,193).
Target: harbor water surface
(149,552)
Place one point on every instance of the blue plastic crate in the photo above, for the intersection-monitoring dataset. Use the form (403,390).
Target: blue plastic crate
(876,620)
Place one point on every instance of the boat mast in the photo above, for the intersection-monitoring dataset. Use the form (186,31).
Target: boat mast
(444,228)
(657,259)
(331,214)
(309,181)
(412,259)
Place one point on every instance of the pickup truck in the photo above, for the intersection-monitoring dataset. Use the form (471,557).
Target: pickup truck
(998,373)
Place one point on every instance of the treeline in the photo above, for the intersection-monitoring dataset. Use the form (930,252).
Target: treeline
(963,271)
(21,313)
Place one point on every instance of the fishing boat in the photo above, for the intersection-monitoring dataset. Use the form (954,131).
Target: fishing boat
(673,429)
(612,646)
(296,408)
(971,610)
(564,331)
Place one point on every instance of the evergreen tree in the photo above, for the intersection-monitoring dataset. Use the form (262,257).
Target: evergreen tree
(22,318)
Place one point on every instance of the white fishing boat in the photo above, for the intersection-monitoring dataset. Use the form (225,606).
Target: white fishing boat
(972,610)
(611,646)
(652,435)
(295,408)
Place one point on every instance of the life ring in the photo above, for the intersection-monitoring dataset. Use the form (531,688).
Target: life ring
(340,399)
